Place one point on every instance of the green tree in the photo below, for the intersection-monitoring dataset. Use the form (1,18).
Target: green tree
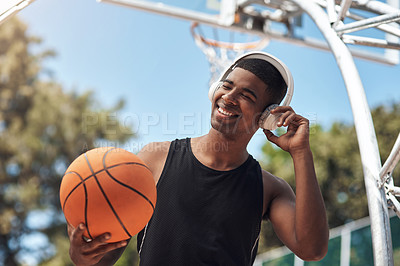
(43,129)
(338,167)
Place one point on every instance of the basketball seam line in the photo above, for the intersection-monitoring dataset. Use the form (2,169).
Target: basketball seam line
(86,207)
(83,180)
(109,167)
(129,187)
(105,196)
(85,190)
(123,184)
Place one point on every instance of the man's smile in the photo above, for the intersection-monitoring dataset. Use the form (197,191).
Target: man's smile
(226,111)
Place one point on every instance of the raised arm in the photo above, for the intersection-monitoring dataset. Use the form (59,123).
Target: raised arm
(298,220)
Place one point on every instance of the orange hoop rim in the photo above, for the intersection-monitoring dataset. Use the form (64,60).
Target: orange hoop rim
(227,45)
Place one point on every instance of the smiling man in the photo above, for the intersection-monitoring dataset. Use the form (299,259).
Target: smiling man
(211,202)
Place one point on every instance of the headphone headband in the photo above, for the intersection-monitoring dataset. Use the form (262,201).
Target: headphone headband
(278,64)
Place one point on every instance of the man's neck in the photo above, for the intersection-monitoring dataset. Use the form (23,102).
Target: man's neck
(220,152)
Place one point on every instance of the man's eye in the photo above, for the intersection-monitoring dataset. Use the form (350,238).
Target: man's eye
(226,87)
(247,97)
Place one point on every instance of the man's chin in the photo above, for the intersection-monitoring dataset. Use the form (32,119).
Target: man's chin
(231,129)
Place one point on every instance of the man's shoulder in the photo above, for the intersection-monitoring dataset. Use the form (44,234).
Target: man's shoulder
(156,148)
(273,183)
(154,155)
(154,151)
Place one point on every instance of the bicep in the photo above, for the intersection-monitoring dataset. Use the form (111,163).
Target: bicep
(282,212)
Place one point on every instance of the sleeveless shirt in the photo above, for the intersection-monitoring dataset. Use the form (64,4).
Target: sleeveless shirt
(203,216)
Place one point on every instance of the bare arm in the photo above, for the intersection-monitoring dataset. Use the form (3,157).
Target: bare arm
(98,251)
(299,220)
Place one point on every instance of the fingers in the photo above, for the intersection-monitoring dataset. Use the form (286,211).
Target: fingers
(104,248)
(76,235)
(297,134)
(90,252)
(100,244)
(282,109)
(270,136)
(70,229)
(288,117)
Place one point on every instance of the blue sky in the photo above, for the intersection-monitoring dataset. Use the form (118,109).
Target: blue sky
(152,62)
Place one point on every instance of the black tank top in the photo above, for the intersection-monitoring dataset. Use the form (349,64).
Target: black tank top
(203,216)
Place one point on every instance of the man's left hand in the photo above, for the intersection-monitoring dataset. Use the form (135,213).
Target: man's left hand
(296,139)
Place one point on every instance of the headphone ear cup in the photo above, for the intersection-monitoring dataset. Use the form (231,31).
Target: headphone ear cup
(268,120)
(213,88)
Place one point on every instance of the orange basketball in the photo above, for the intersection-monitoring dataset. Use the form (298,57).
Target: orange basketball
(110,190)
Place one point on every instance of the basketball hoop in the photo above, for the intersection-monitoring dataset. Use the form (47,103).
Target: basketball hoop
(222,53)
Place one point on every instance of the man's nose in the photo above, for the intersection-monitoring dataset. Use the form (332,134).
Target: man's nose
(230,97)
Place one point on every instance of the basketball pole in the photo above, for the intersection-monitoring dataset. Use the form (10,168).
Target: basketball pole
(369,151)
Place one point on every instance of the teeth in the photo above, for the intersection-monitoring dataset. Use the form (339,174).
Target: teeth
(222,111)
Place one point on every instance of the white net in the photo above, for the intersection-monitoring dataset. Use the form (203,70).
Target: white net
(220,53)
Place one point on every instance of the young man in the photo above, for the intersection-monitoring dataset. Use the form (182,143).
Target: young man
(212,195)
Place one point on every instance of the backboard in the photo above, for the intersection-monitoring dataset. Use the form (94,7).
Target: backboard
(283,20)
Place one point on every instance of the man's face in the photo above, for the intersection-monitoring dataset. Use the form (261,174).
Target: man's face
(238,103)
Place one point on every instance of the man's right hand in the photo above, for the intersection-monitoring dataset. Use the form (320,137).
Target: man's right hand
(92,252)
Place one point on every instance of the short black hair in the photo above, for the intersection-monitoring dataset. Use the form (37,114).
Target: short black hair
(276,85)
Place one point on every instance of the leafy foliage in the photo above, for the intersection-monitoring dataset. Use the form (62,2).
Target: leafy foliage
(42,129)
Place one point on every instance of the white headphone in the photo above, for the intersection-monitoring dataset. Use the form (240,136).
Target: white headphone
(267,120)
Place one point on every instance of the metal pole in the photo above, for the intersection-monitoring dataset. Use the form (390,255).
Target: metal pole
(375,6)
(392,160)
(394,190)
(14,10)
(394,4)
(395,203)
(377,205)
(366,41)
(368,23)
(166,10)
(344,7)
(298,261)
(383,27)
(330,8)
(392,29)
(345,246)
(323,46)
